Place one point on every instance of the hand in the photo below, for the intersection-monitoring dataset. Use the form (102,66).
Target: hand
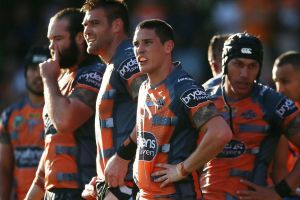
(115,171)
(257,192)
(167,175)
(50,69)
(89,192)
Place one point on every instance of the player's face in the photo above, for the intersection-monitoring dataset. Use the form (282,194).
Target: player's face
(242,73)
(149,51)
(97,32)
(34,81)
(287,81)
(59,38)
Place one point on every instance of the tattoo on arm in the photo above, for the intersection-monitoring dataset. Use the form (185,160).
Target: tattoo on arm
(86,96)
(293,127)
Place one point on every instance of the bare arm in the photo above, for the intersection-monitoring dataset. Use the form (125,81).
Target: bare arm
(279,168)
(66,114)
(216,135)
(36,190)
(6,169)
(117,167)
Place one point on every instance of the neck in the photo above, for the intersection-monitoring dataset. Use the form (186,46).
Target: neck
(36,99)
(161,74)
(107,54)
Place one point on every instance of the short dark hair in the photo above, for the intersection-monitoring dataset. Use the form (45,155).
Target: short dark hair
(289,57)
(114,9)
(75,18)
(162,29)
(35,56)
(215,46)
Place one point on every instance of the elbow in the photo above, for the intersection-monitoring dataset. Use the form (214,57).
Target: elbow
(62,126)
(224,136)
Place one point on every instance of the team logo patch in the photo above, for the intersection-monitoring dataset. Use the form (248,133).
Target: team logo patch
(147,146)
(233,149)
(246,51)
(285,108)
(28,156)
(192,97)
(128,68)
(248,114)
(92,79)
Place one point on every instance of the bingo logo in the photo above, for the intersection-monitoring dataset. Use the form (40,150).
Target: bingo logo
(128,68)
(192,97)
(147,146)
(285,108)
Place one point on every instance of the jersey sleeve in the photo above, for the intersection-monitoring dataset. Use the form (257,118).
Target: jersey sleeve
(4,133)
(131,76)
(87,84)
(198,106)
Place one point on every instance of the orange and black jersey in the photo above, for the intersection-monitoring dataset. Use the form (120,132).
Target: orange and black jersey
(256,121)
(70,157)
(116,104)
(21,126)
(169,118)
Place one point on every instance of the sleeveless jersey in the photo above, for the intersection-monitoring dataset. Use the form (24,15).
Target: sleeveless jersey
(22,125)
(169,118)
(116,104)
(255,118)
(70,157)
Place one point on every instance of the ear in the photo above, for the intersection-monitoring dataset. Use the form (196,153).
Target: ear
(169,46)
(117,25)
(79,38)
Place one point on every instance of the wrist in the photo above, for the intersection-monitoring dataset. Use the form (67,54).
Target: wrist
(283,189)
(127,150)
(181,170)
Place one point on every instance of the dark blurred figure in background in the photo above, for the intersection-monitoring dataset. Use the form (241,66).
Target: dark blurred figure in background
(214,53)
(22,132)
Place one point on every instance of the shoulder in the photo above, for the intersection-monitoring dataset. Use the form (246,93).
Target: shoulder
(124,60)
(187,89)
(6,113)
(91,74)
(274,102)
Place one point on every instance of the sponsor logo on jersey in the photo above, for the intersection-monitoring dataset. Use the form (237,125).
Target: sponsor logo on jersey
(285,108)
(249,114)
(27,156)
(92,79)
(184,79)
(192,97)
(233,149)
(128,68)
(246,50)
(147,146)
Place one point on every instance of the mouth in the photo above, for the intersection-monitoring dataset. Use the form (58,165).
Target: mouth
(141,59)
(90,40)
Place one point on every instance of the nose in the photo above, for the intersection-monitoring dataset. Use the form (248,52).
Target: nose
(51,45)
(244,72)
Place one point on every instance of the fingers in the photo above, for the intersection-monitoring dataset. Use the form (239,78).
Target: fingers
(165,183)
(159,173)
(249,184)
(163,165)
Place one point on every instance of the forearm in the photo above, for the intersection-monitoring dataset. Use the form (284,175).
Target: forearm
(293,178)
(55,102)
(6,170)
(34,193)
(217,135)
(6,183)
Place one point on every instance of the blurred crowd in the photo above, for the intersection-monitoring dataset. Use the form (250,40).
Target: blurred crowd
(276,22)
